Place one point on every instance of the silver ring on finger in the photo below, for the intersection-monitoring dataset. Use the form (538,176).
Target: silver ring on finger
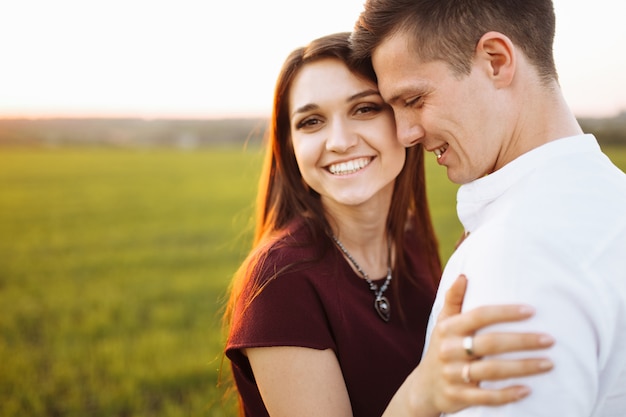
(468,345)
(465,373)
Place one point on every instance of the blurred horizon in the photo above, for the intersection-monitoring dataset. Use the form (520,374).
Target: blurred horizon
(209,117)
(190,134)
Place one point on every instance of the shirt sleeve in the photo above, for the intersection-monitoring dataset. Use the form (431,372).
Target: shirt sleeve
(288,311)
(566,297)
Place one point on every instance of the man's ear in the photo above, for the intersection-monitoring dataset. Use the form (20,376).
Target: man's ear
(498,53)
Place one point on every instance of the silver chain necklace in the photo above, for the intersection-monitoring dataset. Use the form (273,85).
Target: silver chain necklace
(381,303)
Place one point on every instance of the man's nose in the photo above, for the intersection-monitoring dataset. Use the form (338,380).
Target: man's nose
(409,131)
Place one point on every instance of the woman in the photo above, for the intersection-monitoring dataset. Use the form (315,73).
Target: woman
(328,312)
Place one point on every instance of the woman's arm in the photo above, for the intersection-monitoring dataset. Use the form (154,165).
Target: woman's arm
(297,381)
(309,382)
(437,384)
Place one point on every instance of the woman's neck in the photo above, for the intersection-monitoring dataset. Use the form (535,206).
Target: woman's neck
(363,232)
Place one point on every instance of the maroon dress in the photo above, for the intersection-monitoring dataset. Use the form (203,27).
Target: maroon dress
(326,305)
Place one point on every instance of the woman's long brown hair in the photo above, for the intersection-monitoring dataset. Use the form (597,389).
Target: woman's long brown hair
(284,197)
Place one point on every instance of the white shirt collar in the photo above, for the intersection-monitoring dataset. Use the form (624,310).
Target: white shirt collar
(474,196)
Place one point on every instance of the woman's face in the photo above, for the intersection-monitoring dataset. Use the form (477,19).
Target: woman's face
(343,135)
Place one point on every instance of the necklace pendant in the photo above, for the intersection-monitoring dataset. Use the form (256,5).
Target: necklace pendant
(383,308)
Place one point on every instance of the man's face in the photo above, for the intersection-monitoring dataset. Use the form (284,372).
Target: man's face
(454,116)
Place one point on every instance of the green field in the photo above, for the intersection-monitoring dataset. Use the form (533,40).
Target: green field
(113,268)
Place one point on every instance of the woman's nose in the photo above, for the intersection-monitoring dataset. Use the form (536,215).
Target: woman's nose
(340,137)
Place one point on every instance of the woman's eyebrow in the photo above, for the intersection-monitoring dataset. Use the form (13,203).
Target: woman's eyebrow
(362,94)
(305,108)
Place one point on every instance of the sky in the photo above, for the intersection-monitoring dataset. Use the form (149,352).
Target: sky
(220,58)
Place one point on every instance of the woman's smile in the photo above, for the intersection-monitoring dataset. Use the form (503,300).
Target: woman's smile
(349,167)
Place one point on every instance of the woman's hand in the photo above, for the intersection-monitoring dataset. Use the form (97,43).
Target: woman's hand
(446,379)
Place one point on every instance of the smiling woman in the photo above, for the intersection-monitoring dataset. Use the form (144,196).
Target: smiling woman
(343,136)
(195,58)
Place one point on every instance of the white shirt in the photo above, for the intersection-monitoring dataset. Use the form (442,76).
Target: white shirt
(549,230)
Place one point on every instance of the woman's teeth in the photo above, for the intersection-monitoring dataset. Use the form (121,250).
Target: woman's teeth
(349,167)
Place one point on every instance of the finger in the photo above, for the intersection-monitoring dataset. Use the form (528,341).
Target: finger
(470,394)
(487,344)
(500,369)
(470,321)
(454,298)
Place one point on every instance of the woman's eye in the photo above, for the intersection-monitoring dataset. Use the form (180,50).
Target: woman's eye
(367,108)
(308,122)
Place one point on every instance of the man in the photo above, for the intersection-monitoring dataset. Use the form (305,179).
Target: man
(544,209)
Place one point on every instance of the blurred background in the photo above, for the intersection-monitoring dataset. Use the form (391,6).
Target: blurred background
(130,136)
(213,59)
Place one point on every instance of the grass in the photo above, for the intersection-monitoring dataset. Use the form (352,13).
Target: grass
(113,266)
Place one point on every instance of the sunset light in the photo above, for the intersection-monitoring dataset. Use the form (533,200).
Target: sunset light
(207,59)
